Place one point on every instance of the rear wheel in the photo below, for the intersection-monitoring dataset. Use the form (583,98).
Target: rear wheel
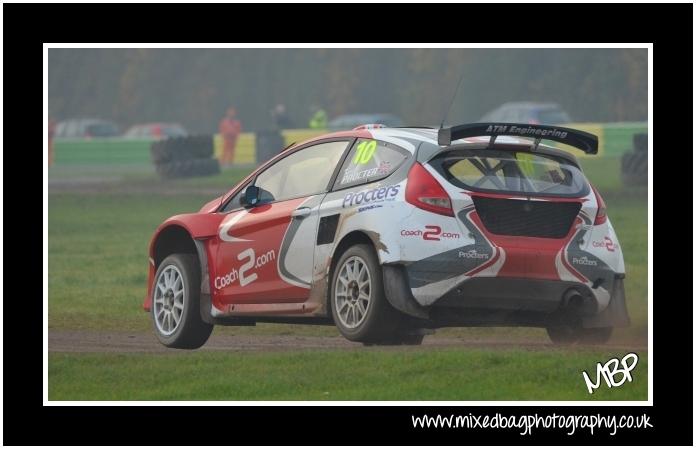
(596,336)
(176,303)
(358,304)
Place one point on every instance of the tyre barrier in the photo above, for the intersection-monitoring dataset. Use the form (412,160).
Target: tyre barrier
(188,168)
(634,164)
(640,142)
(185,156)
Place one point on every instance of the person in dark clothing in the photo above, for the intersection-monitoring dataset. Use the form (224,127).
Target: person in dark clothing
(281,118)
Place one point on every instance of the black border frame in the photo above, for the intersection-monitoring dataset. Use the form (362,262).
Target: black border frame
(27,421)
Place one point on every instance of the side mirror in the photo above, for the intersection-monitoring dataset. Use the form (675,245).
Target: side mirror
(250,197)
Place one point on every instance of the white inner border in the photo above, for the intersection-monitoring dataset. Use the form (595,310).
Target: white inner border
(649,402)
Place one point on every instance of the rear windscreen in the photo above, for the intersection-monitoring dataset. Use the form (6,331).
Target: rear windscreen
(511,172)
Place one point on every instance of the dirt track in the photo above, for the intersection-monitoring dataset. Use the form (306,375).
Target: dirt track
(123,342)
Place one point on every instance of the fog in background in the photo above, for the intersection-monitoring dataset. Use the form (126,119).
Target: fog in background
(195,86)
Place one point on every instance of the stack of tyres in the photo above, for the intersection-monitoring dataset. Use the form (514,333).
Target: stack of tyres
(634,164)
(183,157)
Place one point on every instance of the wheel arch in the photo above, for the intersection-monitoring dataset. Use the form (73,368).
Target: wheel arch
(395,279)
(174,239)
(170,240)
(352,238)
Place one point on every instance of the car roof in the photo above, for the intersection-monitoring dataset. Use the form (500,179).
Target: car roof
(424,141)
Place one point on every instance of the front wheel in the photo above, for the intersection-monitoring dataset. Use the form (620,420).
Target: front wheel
(176,303)
(358,304)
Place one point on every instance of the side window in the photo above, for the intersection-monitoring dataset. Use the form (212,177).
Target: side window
(368,161)
(303,173)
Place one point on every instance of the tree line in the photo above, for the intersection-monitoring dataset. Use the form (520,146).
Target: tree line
(195,86)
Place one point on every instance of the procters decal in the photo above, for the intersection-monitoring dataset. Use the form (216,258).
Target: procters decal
(455,262)
(227,225)
(587,264)
(375,195)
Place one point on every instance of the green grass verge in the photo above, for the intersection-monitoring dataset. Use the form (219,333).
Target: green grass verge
(433,374)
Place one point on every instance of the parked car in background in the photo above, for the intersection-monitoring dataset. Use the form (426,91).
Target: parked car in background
(86,128)
(350,121)
(156,130)
(528,112)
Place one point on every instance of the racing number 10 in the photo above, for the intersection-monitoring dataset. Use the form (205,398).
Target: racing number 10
(366,149)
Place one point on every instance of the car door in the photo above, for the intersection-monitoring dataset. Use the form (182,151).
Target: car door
(264,254)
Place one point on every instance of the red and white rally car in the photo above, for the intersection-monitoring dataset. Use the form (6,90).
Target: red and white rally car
(391,232)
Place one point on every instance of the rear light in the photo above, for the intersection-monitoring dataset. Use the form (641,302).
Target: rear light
(424,192)
(601,208)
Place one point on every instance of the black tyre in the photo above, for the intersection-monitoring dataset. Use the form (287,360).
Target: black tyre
(563,335)
(596,336)
(159,153)
(412,340)
(634,168)
(358,304)
(175,309)
(182,148)
(167,150)
(640,142)
(188,168)
(200,147)
(626,160)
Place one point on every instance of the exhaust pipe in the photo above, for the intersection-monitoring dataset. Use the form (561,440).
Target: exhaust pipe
(574,301)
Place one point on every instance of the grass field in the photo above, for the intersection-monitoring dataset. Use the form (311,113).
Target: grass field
(97,274)
(371,374)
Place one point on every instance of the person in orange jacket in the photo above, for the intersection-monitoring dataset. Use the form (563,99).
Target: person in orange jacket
(230,128)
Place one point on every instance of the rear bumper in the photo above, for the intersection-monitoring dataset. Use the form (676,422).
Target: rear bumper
(536,295)
(491,301)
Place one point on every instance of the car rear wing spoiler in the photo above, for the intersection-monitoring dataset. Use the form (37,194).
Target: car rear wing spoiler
(586,142)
